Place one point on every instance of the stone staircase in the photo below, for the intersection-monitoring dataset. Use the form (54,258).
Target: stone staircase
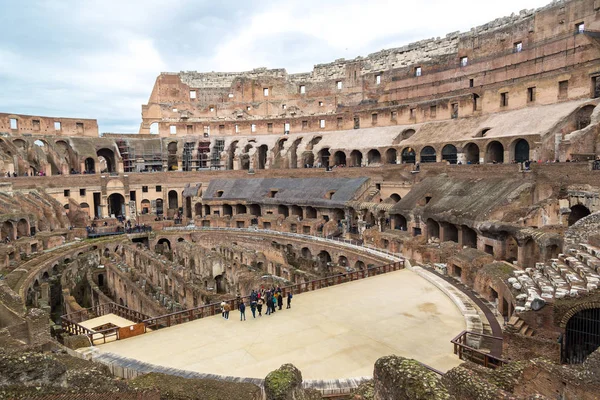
(575,273)
(518,325)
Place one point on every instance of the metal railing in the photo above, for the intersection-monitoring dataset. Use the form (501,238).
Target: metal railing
(466,352)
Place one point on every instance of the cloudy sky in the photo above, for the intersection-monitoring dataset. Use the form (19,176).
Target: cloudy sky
(99,59)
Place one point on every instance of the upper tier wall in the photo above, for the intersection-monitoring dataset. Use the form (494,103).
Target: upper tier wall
(18,124)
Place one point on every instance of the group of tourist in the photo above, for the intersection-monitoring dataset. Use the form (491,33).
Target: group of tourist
(272,299)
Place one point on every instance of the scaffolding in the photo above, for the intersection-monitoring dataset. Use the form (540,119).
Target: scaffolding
(187,160)
(203,154)
(127,155)
(218,148)
(149,160)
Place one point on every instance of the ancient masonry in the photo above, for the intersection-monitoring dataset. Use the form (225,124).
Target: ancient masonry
(470,163)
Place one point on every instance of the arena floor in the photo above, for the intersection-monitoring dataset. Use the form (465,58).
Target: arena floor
(338,332)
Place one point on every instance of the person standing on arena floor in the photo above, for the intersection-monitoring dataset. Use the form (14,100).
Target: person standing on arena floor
(289,299)
(253,308)
(279,300)
(259,305)
(242,308)
(223,309)
(227,308)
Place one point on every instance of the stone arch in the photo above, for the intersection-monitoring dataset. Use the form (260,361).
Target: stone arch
(471,153)
(89,165)
(297,211)
(450,154)
(146,205)
(519,150)
(395,197)
(154,128)
(583,116)
(408,155)
(433,229)
(356,158)
(407,133)
(163,244)
(359,265)
(85,207)
(324,259)
(511,252)
(255,210)
(582,333)
(8,230)
(293,151)
(494,152)
(552,251)
(109,156)
(22,228)
(306,253)
(283,210)
(342,261)
(231,154)
(159,206)
(311,212)
(198,209)
(324,156)
(578,211)
(241,209)
(173,200)
(20,143)
(227,210)
(308,159)
(428,155)
(399,222)
(116,205)
(339,158)
(450,232)
(469,237)
(391,156)
(313,142)
(263,151)
(373,157)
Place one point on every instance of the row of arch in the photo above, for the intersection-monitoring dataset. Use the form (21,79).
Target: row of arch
(494,152)
(9,230)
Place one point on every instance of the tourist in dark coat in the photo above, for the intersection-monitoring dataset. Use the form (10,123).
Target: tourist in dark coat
(242,308)
(279,300)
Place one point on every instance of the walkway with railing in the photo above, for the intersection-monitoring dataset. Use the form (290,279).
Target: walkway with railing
(354,244)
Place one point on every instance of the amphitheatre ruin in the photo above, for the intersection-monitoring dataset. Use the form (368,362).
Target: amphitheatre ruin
(433,209)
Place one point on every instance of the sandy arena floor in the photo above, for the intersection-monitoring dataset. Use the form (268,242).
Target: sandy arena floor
(338,332)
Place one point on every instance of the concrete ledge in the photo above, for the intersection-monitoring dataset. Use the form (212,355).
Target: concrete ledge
(128,368)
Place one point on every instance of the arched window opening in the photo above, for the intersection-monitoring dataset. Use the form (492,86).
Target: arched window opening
(494,153)
(582,336)
(471,152)
(408,156)
(450,154)
(391,156)
(428,155)
(578,211)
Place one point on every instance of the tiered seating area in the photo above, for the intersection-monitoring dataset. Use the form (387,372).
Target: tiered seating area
(570,275)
